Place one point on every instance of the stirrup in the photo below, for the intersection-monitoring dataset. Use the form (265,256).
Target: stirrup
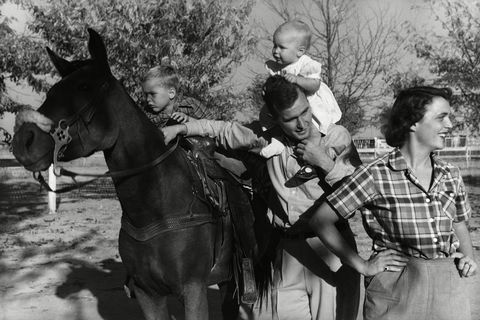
(249,292)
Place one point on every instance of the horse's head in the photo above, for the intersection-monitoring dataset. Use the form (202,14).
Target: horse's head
(76,102)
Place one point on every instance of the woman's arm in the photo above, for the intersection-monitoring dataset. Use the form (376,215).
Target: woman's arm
(466,264)
(323,224)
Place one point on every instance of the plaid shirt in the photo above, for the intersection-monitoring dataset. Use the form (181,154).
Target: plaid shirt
(398,212)
(190,106)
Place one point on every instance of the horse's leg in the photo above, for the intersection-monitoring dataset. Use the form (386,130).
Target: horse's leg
(154,308)
(229,300)
(196,303)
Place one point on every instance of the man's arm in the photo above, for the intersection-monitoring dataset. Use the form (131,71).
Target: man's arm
(229,135)
(334,154)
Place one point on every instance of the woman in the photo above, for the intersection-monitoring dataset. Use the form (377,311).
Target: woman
(414,207)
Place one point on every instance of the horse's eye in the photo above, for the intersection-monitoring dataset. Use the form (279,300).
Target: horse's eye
(83,87)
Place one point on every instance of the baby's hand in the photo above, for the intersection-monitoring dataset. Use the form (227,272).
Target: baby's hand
(290,77)
(180,117)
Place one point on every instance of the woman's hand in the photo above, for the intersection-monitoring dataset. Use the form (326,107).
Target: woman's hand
(466,265)
(171,132)
(387,260)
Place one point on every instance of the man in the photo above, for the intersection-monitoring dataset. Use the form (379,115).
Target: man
(309,281)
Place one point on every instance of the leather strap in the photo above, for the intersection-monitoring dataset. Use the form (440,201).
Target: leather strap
(154,229)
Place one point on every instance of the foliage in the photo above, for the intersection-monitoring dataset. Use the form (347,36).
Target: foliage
(454,56)
(206,39)
(355,52)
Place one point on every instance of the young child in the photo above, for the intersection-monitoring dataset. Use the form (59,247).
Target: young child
(291,41)
(161,87)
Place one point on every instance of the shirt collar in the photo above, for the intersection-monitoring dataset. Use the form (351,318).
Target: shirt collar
(398,162)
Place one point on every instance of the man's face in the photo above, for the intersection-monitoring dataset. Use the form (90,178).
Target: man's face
(431,130)
(158,97)
(296,121)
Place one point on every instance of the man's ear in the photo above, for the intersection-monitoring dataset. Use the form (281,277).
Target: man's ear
(413,127)
(172,93)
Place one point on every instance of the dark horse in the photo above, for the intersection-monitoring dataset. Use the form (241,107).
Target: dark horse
(169,236)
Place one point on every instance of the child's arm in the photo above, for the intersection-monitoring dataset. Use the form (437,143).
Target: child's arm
(310,85)
(466,264)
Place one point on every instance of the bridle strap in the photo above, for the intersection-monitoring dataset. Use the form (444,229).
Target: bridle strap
(116,174)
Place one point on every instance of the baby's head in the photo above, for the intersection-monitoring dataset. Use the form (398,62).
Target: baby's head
(160,84)
(290,41)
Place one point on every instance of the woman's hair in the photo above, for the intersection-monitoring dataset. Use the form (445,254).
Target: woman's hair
(409,108)
(279,94)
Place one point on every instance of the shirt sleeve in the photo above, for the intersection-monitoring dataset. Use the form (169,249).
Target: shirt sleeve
(195,109)
(229,135)
(341,149)
(355,192)
(311,68)
(462,204)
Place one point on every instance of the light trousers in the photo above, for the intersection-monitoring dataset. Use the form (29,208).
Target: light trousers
(423,290)
(310,283)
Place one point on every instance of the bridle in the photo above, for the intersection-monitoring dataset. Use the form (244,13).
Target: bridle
(62,138)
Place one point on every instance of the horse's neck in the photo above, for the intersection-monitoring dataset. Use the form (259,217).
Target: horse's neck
(138,141)
(148,195)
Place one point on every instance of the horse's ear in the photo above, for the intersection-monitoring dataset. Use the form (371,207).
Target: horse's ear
(63,66)
(97,50)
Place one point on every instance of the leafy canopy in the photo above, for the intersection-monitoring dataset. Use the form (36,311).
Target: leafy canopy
(206,39)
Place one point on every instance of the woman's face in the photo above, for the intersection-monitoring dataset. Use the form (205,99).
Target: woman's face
(431,130)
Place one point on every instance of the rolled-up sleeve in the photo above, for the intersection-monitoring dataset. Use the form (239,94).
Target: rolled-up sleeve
(342,150)
(228,135)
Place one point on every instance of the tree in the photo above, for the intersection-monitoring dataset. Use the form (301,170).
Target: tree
(355,52)
(206,39)
(453,55)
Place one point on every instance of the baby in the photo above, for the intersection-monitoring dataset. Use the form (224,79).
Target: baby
(291,41)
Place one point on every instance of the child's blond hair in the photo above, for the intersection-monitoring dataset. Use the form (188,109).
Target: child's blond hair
(166,76)
(300,27)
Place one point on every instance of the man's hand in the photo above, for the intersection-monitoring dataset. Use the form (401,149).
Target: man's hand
(466,265)
(314,152)
(180,117)
(171,132)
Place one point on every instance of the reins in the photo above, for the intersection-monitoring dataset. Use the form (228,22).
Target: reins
(62,138)
(116,174)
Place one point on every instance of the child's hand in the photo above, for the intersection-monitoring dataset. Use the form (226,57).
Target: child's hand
(180,117)
(466,265)
(290,77)
(171,132)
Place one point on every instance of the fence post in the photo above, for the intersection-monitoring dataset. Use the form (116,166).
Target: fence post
(52,196)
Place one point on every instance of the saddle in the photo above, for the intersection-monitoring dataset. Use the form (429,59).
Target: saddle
(229,197)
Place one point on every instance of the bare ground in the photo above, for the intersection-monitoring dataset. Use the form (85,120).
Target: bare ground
(66,265)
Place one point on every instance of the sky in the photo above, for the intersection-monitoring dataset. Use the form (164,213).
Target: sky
(401,9)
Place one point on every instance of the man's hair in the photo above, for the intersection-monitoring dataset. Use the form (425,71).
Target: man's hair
(279,94)
(166,76)
(300,27)
(409,108)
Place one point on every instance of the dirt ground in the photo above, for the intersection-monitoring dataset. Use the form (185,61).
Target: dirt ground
(66,265)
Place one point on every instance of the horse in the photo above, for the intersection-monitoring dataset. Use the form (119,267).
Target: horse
(171,240)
